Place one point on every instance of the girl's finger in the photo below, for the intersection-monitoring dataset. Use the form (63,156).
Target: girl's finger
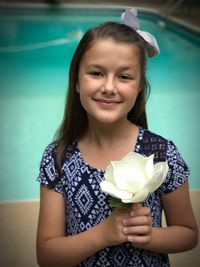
(137,230)
(139,239)
(139,220)
(142,211)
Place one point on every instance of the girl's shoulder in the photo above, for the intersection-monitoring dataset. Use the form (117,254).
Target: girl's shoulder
(165,150)
(51,150)
(50,168)
(150,136)
(153,143)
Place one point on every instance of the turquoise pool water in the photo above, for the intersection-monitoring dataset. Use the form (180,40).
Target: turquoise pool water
(36,47)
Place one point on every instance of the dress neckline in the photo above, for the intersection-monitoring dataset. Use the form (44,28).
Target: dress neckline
(136,149)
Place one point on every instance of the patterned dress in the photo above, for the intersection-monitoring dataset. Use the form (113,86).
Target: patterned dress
(86,205)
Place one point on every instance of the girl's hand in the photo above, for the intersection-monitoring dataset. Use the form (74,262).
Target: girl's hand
(113,226)
(138,226)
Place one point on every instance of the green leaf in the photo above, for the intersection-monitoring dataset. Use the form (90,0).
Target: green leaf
(116,202)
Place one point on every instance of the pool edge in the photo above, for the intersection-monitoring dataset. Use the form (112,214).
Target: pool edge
(151,10)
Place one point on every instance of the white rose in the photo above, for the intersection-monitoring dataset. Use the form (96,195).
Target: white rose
(133,177)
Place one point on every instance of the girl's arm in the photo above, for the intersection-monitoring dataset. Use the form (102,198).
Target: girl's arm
(55,249)
(181,233)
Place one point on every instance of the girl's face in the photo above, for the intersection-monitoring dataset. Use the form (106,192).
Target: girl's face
(109,79)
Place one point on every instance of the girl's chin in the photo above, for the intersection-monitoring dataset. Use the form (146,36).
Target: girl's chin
(107,120)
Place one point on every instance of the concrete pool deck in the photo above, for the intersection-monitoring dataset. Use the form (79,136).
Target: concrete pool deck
(188,13)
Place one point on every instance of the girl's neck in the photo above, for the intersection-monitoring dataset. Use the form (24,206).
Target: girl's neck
(103,135)
(100,145)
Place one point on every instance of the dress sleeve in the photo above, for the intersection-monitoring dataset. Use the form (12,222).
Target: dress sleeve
(178,170)
(48,175)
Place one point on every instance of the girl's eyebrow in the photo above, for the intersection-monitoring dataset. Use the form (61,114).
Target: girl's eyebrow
(121,68)
(128,67)
(94,66)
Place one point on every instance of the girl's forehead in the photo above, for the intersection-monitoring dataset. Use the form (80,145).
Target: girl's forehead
(110,43)
(108,49)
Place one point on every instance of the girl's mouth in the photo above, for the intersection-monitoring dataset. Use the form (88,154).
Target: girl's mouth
(107,101)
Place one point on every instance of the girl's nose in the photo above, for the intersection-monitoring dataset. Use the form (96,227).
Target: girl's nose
(109,86)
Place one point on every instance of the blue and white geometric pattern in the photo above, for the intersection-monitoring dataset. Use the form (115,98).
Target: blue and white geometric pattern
(87,205)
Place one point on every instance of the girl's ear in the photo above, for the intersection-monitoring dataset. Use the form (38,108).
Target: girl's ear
(77,88)
(139,89)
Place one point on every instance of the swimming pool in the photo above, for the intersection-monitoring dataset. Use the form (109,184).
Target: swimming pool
(36,46)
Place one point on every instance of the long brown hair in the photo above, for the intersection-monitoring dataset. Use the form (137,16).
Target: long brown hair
(75,121)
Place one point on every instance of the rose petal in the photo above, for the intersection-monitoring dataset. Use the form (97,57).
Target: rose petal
(132,156)
(149,167)
(160,173)
(138,197)
(110,189)
(109,173)
(132,178)
(127,178)
(119,173)
(135,160)
(142,163)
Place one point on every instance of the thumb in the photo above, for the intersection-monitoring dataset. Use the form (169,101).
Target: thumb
(137,206)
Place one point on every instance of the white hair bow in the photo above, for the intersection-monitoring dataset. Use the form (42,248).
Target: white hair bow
(129,18)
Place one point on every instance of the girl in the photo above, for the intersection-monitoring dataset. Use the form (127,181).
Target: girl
(105,119)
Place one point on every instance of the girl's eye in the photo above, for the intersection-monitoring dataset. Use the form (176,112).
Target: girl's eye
(125,77)
(96,74)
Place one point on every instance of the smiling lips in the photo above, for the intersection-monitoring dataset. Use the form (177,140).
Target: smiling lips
(107,102)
